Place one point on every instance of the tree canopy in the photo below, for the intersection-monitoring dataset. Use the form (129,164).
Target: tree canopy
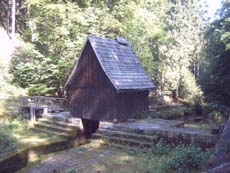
(167,36)
(216,81)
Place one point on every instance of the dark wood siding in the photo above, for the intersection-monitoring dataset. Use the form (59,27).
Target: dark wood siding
(92,96)
(130,104)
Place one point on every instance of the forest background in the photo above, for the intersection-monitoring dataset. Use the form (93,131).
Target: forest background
(180,49)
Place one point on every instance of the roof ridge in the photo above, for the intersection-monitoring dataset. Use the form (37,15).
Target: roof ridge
(110,54)
(101,37)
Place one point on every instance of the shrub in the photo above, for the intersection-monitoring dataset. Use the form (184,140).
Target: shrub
(216,116)
(180,159)
(189,88)
(38,74)
(9,128)
(198,108)
(161,148)
(7,141)
(40,90)
(172,113)
(184,159)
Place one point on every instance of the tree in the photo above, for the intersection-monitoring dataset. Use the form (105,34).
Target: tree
(12,16)
(58,36)
(217,76)
(180,49)
(31,70)
(158,32)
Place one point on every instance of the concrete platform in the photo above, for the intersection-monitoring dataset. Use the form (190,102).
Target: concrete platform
(169,130)
(59,115)
(149,123)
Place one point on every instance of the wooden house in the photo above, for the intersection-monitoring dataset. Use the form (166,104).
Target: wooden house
(107,82)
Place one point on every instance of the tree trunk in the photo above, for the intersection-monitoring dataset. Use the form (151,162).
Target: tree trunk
(13,14)
(8,22)
(221,154)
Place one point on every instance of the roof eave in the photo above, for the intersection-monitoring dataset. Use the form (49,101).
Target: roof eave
(113,83)
(75,66)
(135,90)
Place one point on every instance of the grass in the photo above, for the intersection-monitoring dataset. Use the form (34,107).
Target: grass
(161,158)
(172,112)
(199,126)
(164,158)
(211,116)
(93,157)
(16,135)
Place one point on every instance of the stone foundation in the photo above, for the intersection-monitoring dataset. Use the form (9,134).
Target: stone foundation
(147,132)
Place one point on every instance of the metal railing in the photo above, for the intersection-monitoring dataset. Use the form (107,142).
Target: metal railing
(45,104)
(42,101)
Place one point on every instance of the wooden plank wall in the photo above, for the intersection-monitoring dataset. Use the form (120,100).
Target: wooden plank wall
(92,95)
(130,104)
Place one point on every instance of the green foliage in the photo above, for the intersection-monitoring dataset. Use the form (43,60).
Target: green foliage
(8,129)
(179,159)
(57,36)
(172,113)
(40,89)
(189,89)
(161,148)
(33,71)
(178,53)
(216,116)
(7,90)
(207,108)
(185,159)
(216,66)
(7,141)
(158,32)
(25,65)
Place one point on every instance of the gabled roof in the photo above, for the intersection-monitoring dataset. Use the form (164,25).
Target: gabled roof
(119,63)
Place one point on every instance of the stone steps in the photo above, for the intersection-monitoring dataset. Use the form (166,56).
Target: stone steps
(59,123)
(53,117)
(141,134)
(109,144)
(57,127)
(124,141)
(128,135)
(62,134)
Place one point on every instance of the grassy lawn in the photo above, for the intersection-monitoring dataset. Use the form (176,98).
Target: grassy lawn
(180,159)
(17,135)
(87,158)
(199,125)
(93,157)
(210,116)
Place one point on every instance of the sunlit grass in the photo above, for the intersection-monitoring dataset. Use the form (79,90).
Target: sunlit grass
(200,126)
(21,136)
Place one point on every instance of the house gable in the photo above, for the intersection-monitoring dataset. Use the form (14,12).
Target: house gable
(119,64)
(89,73)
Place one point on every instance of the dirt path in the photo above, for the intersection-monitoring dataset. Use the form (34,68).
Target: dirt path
(87,159)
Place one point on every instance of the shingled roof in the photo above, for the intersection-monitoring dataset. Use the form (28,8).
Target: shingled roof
(119,63)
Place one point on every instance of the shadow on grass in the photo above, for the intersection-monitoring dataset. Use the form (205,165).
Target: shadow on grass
(91,157)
